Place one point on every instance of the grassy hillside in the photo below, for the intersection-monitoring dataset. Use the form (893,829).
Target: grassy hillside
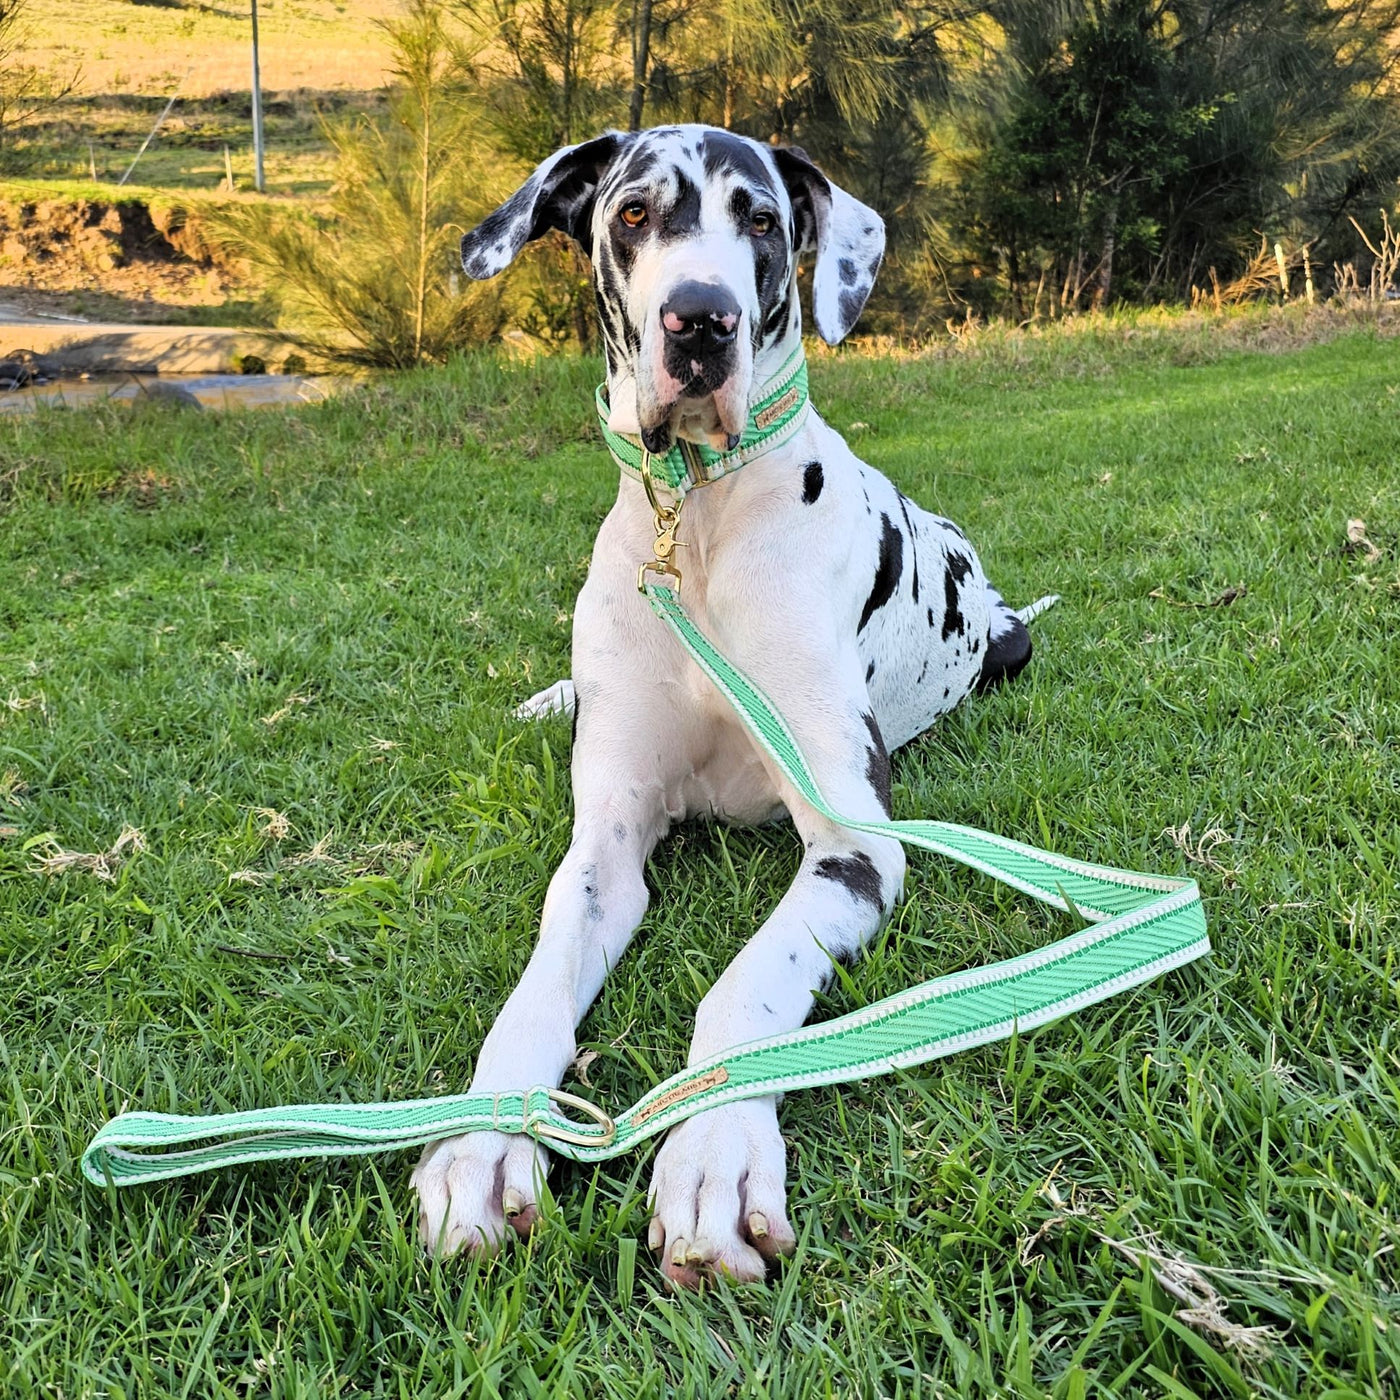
(319,57)
(145,49)
(284,649)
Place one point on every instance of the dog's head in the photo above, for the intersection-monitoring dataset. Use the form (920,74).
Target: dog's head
(694,235)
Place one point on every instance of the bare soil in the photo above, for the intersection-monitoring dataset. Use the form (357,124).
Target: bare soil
(121,260)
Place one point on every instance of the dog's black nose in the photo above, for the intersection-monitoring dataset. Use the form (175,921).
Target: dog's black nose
(700,318)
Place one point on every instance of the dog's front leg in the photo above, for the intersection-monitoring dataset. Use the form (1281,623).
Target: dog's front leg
(718,1198)
(718,1189)
(471,1188)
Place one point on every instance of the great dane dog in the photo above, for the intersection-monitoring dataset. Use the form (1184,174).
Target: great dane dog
(863,616)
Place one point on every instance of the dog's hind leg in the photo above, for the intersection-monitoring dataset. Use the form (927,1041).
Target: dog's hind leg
(557,699)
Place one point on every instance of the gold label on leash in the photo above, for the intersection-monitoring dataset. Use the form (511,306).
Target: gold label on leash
(711,1079)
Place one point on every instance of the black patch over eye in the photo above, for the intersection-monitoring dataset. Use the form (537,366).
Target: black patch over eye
(633,213)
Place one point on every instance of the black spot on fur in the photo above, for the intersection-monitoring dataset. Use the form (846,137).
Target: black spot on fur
(578,706)
(725,154)
(683,217)
(619,832)
(887,570)
(847,269)
(644,160)
(622,245)
(953,620)
(913,547)
(792,958)
(593,910)
(813,479)
(877,765)
(857,873)
(777,318)
(1006,657)
(851,303)
(869,673)
(930,617)
(770,281)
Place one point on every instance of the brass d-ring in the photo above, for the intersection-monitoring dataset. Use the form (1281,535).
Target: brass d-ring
(543,1128)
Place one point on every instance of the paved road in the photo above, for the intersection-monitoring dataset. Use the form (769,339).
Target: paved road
(71,345)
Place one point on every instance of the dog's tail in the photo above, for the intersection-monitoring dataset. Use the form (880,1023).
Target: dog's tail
(1032,611)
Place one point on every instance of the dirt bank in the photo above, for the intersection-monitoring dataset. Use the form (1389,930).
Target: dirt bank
(137,258)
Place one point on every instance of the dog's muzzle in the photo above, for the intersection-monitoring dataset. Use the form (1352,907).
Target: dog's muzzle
(700,321)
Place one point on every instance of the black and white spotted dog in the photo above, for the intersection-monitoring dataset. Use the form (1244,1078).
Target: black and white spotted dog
(864,616)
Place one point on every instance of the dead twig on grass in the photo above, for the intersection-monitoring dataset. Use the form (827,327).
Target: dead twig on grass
(251,953)
(294,701)
(1222,600)
(319,854)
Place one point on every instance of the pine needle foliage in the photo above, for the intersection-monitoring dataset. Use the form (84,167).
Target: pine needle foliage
(379,276)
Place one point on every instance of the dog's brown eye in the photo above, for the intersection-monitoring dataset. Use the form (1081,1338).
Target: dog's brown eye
(634,215)
(762,224)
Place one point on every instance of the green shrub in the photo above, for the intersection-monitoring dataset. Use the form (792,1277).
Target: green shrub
(376,280)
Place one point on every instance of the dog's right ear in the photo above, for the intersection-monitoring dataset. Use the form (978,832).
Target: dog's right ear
(558,195)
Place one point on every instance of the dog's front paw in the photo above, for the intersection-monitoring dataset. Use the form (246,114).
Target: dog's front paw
(472,1189)
(719,1207)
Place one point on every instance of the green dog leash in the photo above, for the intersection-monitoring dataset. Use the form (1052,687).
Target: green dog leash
(1141,926)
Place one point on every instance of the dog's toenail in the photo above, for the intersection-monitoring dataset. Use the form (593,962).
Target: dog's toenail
(758,1225)
(679,1250)
(512,1202)
(698,1253)
(656,1233)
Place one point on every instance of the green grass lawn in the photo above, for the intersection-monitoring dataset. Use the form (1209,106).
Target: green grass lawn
(284,648)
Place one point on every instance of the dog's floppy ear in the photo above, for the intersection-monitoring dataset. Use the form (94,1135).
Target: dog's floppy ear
(848,237)
(558,195)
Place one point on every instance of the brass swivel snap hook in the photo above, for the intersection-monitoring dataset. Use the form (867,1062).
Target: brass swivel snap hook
(667,520)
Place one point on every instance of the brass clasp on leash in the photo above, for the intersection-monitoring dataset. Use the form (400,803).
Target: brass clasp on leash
(543,1128)
(667,520)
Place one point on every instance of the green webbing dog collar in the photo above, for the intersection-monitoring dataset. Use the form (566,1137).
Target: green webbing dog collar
(779,411)
(1141,926)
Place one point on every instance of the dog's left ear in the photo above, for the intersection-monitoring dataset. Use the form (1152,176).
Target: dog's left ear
(848,237)
(558,195)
